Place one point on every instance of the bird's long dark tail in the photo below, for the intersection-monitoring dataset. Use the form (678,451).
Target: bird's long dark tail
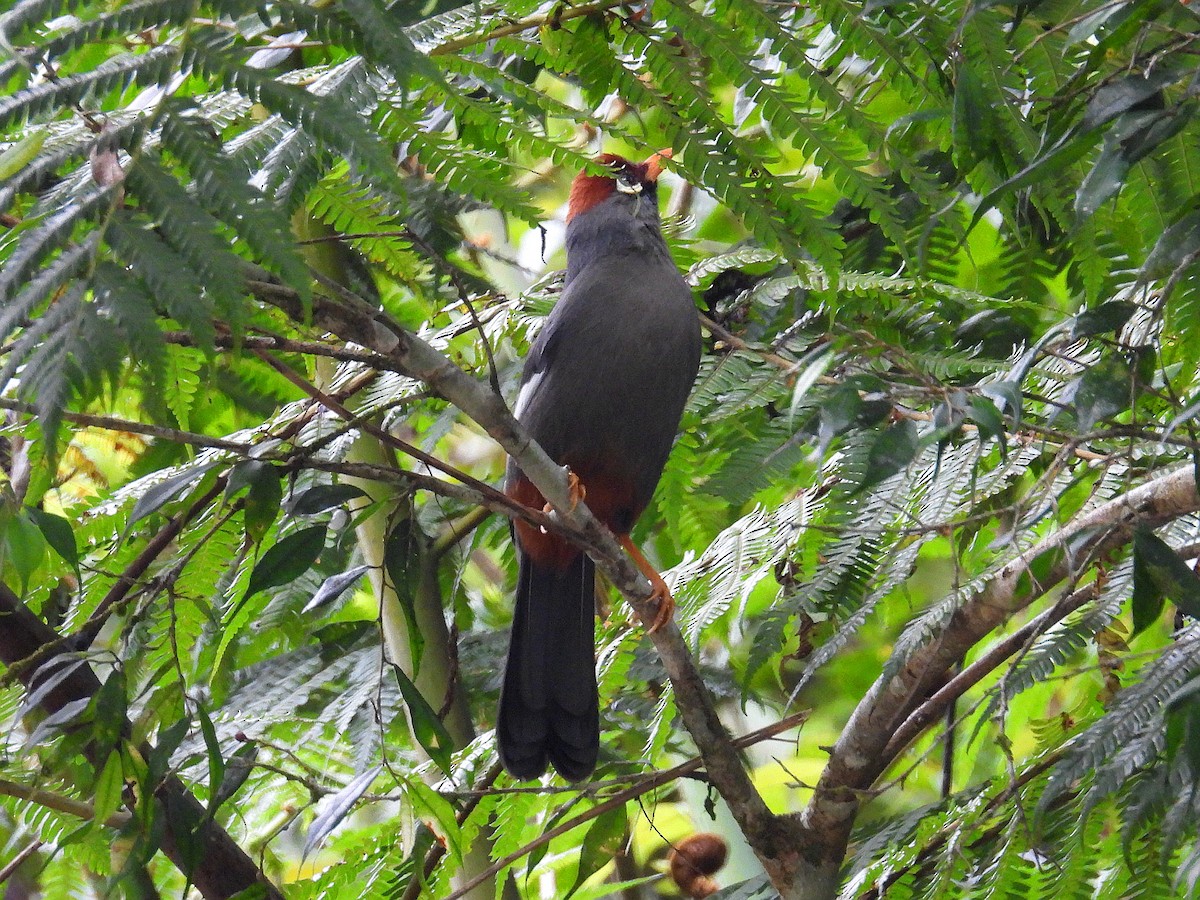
(549,708)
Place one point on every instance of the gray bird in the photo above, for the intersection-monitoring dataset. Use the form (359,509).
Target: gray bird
(603,390)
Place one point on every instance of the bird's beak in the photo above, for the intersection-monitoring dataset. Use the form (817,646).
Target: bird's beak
(654,165)
(626,187)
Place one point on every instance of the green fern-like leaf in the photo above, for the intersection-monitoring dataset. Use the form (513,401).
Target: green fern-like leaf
(862,35)
(1061,643)
(124,297)
(40,289)
(356,210)
(31,245)
(66,148)
(494,124)
(181,382)
(52,344)
(150,68)
(728,386)
(30,14)
(740,557)
(727,49)
(222,189)
(210,53)
(462,169)
(727,162)
(387,43)
(700,274)
(1130,733)
(130,19)
(189,229)
(176,287)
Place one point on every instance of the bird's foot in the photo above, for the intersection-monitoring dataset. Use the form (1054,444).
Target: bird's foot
(659,592)
(576,492)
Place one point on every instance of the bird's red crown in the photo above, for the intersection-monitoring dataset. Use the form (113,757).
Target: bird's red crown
(588,190)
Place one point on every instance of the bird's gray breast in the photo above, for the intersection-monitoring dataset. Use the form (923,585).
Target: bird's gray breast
(607,379)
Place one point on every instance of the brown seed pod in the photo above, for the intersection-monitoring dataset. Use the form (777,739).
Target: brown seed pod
(694,860)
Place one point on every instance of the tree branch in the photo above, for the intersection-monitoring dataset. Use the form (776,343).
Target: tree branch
(197,845)
(112,423)
(22,665)
(60,803)
(933,708)
(621,797)
(860,754)
(774,839)
(282,345)
(175,435)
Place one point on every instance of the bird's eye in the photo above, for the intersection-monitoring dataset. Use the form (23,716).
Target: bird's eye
(628,181)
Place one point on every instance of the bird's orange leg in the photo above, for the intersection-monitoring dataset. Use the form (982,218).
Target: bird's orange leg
(575,493)
(658,588)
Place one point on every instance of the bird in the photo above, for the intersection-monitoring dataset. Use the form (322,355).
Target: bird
(603,391)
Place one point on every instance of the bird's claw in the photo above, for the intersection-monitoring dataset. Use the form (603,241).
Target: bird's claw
(576,493)
(660,594)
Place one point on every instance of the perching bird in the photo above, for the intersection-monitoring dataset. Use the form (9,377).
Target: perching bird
(603,390)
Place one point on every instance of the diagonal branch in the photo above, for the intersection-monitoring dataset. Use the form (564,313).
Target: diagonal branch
(935,707)
(24,665)
(196,844)
(619,798)
(354,319)
(861,753)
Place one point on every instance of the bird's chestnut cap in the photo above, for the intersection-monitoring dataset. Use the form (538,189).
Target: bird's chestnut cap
(588,190)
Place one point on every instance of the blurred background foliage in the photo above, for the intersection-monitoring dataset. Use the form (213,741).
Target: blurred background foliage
(946,253)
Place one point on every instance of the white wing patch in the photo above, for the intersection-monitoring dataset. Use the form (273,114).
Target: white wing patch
(528,389)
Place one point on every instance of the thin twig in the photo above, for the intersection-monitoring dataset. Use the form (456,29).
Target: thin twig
(938,840)
(464,297)
(285,345)
(723,334)
(59,803)
(651,782)
(111,423)
(15,863)
(560,13)
(380,434)
(457,530)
